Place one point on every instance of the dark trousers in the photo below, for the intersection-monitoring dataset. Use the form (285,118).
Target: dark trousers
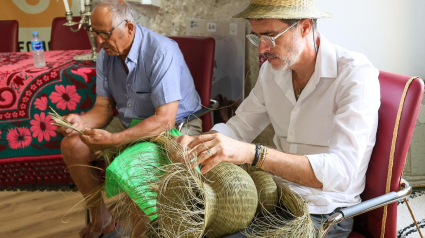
(340,230)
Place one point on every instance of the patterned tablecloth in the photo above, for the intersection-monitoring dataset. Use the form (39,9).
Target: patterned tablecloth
(29,144)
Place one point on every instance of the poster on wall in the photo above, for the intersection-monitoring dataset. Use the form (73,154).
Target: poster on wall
(35,15)
(229,62)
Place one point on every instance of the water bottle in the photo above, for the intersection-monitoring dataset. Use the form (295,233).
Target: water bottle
(37,50)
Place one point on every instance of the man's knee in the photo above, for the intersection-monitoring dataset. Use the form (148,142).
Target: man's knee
(192,128)
(74,149)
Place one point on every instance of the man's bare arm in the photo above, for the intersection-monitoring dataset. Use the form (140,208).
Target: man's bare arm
(164,119)
(215,148)
(101,113)
(294,168)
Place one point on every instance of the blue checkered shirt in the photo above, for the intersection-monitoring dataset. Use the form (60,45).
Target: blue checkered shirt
(157,75)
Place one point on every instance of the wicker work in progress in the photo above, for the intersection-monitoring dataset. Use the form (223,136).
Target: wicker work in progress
(222,202)
(268,197)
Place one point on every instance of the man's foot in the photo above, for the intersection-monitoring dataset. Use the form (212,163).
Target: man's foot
(112,230)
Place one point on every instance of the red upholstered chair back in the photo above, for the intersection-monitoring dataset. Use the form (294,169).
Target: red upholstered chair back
(198,53)
(62,38)
(387,162)
(9,32)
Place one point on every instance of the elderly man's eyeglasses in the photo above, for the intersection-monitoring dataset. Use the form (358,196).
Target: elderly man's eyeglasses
(104,35)
(269,40)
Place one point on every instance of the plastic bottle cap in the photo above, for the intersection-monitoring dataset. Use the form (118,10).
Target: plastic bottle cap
(35,33)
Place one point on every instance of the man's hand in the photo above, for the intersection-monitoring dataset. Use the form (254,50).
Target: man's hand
(215,148)
(97,139)
(75,121)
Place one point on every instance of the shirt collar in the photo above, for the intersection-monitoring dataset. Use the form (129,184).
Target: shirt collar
(326,65)
(326,59)
(133,55)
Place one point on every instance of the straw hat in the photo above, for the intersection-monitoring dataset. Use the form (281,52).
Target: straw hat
(282,9)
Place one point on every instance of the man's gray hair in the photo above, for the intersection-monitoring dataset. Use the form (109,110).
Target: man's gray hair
(120,10)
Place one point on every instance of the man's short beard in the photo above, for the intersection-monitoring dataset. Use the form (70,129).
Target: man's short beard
(292,54)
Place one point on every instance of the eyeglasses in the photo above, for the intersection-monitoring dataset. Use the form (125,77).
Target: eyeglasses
(104,35)
(269,40)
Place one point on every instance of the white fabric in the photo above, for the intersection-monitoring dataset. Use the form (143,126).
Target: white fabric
(333,123)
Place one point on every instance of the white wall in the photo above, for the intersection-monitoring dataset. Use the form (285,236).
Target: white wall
(391,33)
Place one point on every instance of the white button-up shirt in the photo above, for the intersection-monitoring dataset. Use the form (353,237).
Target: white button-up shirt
(333,123)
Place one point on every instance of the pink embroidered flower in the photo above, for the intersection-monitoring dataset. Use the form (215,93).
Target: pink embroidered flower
(15,114)
(42,127)
(19,137)
(53,74)
(33,87)
(28,93)
(23,106)
(1,116)
(25,99)
(65,97)
(46,78)
(39,82)
(7,115)
(21,113)
(41,103)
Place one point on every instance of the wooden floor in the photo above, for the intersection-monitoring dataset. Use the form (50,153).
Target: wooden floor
(41,214)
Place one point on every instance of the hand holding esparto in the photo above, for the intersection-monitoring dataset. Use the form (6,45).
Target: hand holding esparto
(214,148)
(98,139)
(75,121)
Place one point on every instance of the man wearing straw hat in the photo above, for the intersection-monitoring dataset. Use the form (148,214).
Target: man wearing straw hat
(144,76)
(322,102)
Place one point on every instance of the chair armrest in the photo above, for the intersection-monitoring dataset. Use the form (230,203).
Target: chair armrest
(371,204)
(213,105)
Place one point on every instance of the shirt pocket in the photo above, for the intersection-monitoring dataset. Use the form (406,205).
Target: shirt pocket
(143,105)
(141,88)
(141,84)
(142,97)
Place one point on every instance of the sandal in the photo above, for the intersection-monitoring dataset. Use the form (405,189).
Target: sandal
(107,232)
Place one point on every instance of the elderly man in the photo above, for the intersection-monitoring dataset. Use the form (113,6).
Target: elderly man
(144,76)
(322,102)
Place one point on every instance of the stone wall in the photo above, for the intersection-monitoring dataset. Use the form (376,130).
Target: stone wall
(170,19)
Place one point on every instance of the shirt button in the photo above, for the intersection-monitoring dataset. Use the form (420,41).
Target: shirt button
(129,105)
(128,85)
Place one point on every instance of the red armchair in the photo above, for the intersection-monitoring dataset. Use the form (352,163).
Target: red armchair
(62,38)
(401,98)
(10,31)
(198,53)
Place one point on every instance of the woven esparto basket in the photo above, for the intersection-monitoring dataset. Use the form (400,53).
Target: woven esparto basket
(221,203)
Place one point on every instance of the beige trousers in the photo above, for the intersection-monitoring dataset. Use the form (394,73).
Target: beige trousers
(191,128)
